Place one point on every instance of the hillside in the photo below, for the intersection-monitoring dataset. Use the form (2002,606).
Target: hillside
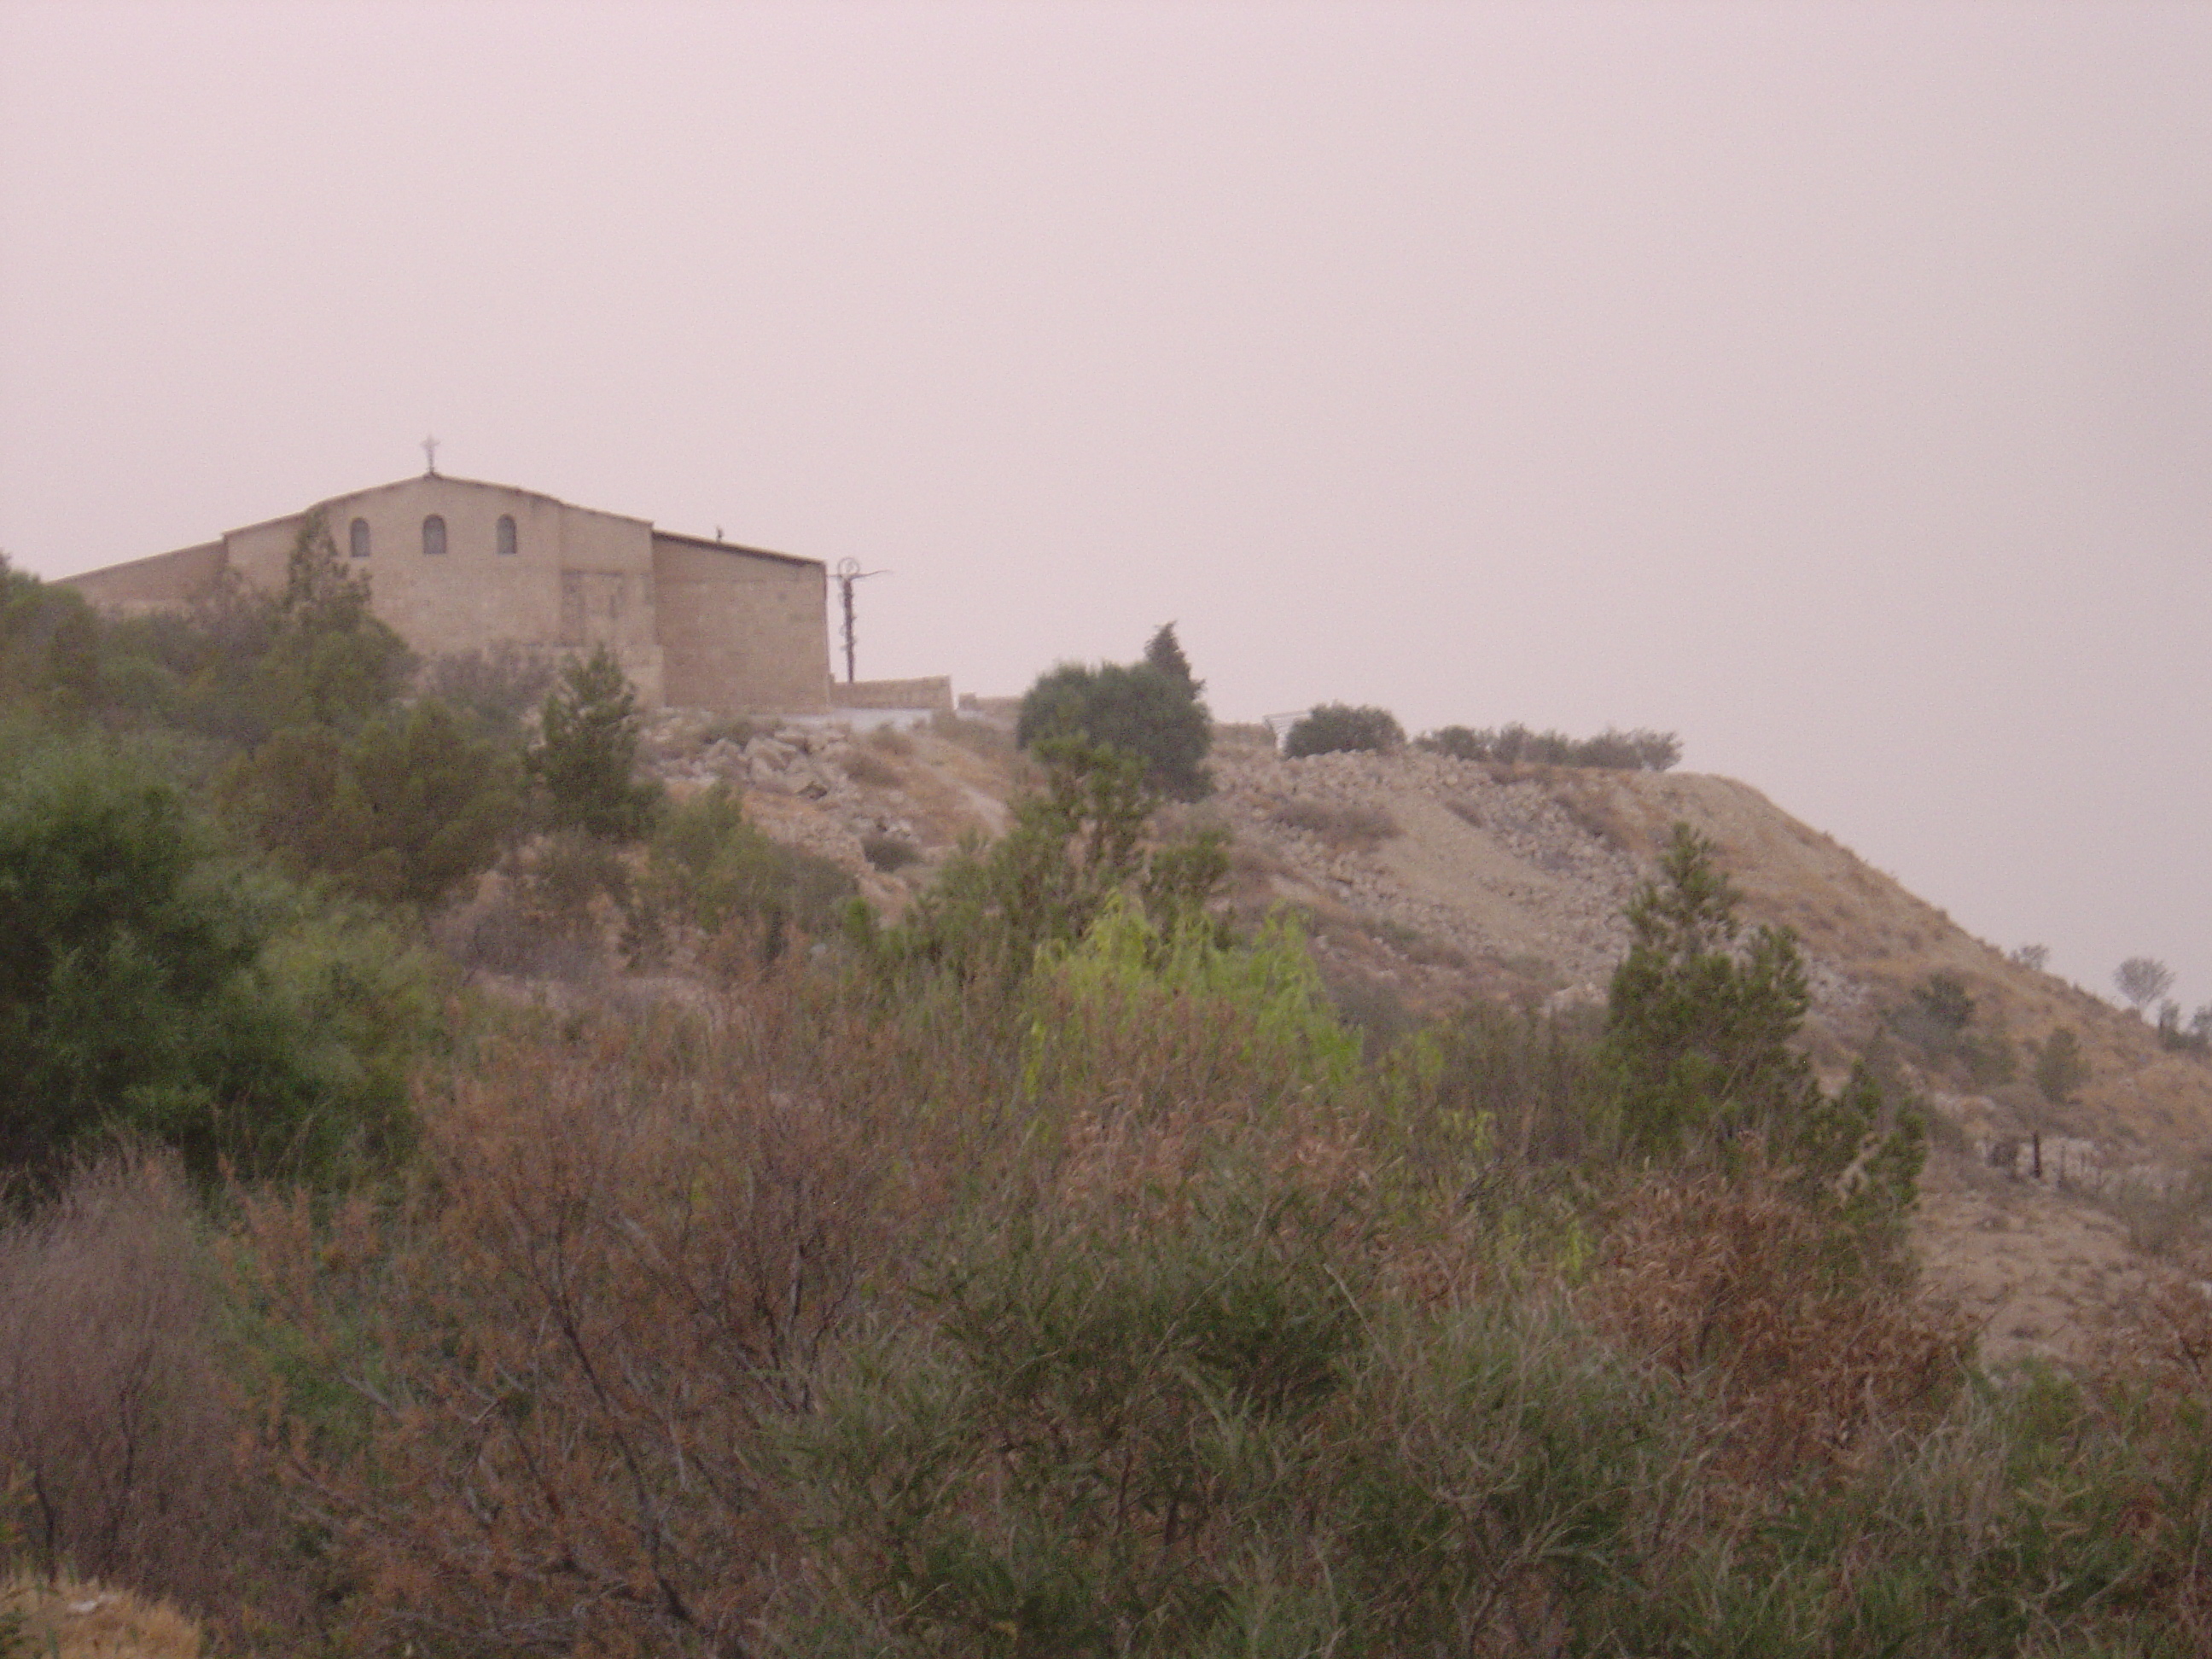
(1426,881)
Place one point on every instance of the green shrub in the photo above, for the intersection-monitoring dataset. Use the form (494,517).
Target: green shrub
(867,770)
(402,813)
(148,985)
(1335,727)
(1641,749)
(239,663)
(1700,1029)
(707,868)
(2060,1069)
(1071,849)
(495,690)
(888,853)
(1149,709)
(587,753)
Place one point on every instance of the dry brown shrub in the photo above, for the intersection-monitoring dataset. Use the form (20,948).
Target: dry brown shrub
(114,1415)
(871,771)
(1344,825)
(1813,1356)
(628,1250)
(1597,817)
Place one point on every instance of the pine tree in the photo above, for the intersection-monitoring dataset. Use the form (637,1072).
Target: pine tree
(587,752)
(1700,1031)
(1165,652)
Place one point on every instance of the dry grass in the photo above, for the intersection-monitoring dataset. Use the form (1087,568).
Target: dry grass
(71,1619)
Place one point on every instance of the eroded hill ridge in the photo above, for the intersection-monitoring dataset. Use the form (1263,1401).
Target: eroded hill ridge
(1435,879)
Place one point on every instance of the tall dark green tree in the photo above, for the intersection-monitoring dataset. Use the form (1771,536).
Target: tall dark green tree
(1165,652)
(330,662)
(1698,1030)
(586,759)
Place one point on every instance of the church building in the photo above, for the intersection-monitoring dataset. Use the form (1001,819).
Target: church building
(454,565)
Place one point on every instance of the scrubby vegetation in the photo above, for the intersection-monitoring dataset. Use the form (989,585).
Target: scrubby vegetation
(1641,749)
(1337,727)
(1048,1271)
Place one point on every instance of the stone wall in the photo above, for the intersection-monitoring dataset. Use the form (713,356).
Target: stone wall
(167,581)
(744,630)
(934,691)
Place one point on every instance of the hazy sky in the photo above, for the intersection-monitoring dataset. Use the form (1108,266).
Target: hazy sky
(1832,384)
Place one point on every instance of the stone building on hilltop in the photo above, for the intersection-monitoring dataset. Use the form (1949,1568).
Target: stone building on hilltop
(455,565)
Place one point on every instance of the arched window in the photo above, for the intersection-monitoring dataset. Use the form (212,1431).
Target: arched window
(433,535)
(358,539)
(506,534)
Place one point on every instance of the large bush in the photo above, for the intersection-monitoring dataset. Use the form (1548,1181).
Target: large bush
(149,983)
(1074,849)
(1149,709)
(404,811)
(705,869)
(1334,727)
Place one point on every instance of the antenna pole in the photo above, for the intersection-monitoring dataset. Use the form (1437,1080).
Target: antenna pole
(849,572)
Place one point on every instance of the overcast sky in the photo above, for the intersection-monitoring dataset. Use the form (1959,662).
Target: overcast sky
(1832,384)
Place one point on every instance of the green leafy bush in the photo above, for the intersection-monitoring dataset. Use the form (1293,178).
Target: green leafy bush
(2061,1069)
(1940,1022)
(586,755)
(495,688)
(148,984)
(1072,848)
(888,853)
(402,813)
(1334,727)
(1149,709)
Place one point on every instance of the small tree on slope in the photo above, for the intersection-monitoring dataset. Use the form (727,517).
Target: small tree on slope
(587,753)
(1700,1026)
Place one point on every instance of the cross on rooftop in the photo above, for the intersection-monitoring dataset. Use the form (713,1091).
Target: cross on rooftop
(430,457)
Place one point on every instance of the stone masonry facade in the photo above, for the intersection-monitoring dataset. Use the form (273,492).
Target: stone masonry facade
(455,565)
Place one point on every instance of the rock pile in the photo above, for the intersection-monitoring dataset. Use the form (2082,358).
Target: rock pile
(811,763)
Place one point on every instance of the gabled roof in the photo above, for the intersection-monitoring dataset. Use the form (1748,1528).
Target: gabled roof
(467,483)
(717,544)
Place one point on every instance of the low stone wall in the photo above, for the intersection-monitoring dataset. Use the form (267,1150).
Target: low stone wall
(934,692)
